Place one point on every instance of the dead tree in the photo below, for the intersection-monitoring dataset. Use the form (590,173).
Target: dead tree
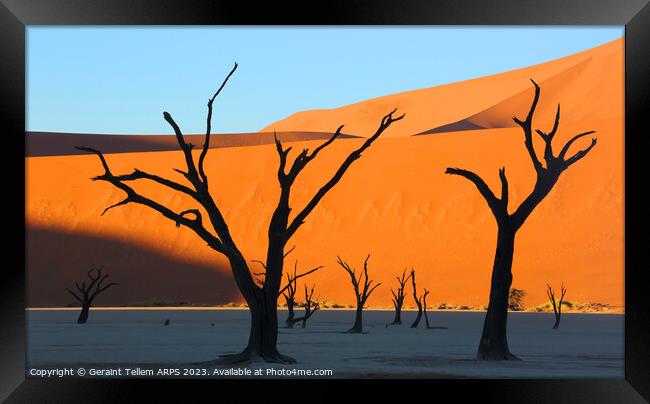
(362,290)
(418,302)
(261,299)
(290,299)
(289,292)
(86,294)
(426,316)
(493,344)
(310,305)
(424,304)
(398,297)
(557,307)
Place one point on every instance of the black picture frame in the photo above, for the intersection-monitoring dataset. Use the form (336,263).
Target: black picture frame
(15,15)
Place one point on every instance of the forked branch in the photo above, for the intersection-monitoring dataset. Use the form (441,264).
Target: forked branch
(133,197)
(553,163)
(206,142)
(557,306)
(304,157)
(363,287)
(86,293)
(547,174)
(498,206)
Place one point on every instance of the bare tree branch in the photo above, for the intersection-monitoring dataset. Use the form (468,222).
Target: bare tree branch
(361,283)
(568,144)
(289,252)
(100,290)
(191,174)
(504,188)
(89,292)
(198,219)
(362,290)
(133,197)
(73,294)
(206,142)
(548,138)
(579,155)
(296,277)
(299,219)
(139,174)
(418,301)
(488,195)
(527,127)
(261,263)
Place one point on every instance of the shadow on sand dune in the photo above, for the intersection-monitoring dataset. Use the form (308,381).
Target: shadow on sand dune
(56,259)
(63,144)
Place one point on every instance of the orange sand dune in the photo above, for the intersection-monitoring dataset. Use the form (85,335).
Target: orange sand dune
(62,144)
(588,84)
(395,203)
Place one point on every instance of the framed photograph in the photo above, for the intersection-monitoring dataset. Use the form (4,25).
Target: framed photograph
(442,192)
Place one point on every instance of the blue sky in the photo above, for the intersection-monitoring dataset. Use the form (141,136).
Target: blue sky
(120,79)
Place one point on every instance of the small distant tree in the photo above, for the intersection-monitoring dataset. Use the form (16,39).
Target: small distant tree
(557,307)
(515,299)
(86,294)
(418,301)
(424,305)
(426,316)
(289,290)
(290,299)
(310,306)
(362,290)
(398,297)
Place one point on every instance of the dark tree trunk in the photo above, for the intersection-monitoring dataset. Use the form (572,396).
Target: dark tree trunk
(362,290)
(262,304)
(398,315)
(263,338)
(358,321)
(494,345)
(557,306)
(83,316)
(291,316)
(86,293)
(426,316)
(398,297)
(417,300)
(418,317)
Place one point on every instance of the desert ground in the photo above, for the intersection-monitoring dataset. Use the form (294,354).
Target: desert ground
(585,345)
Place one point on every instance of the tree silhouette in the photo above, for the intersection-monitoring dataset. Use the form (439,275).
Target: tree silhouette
(418,301)
(494,344)
(424,310)
(261,299)
(362,291)
(290,299)
(86,294)
(398,297)
(289,291)
(310,306)
(557,308)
